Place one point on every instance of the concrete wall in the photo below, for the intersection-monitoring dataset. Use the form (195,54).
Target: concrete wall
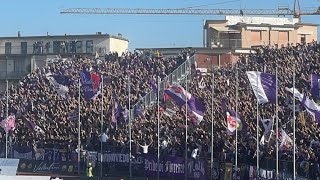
(14,67)
(117,45)
(25,177)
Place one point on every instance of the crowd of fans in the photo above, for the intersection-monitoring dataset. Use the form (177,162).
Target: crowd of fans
(36,100)
(40,47)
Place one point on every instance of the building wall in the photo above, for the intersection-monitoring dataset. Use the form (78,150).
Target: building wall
(206,61)
(210,31)
(280,31)
(310,32)
(117,45)
(274,37)
(265,37)
(100,44)
(14,67)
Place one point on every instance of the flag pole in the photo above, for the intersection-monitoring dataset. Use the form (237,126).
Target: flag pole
(257,153)
(212,101)
(186,121)
(158,102)
(7,115)
(237,89)
(130,145)
(277,127)
(79,121)
(101,127)
(294,123)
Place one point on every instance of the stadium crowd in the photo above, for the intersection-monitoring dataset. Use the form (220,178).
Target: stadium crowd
(34,99)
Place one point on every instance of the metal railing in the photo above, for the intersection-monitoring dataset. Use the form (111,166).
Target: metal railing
(243,43)
(176,76)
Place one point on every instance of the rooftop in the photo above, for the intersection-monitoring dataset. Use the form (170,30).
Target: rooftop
(97,35)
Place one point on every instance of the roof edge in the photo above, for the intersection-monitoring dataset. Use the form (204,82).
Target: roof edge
(70,36)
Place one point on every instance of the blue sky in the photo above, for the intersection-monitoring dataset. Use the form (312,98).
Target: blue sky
(37,17)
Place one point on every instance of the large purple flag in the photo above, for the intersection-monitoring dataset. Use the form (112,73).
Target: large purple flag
(61,83)
(309,104)
(91,85)
(315,86)
(178,94)
(263,86)
(196,108)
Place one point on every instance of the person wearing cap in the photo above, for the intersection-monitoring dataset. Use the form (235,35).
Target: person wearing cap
(89,170)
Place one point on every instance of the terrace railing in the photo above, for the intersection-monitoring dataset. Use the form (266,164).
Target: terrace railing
(177,76)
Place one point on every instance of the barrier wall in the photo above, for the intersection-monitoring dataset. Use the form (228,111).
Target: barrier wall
(4,177)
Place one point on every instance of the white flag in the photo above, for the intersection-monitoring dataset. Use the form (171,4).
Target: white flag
(267,125)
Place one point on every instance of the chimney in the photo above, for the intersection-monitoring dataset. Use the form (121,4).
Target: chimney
(19,35)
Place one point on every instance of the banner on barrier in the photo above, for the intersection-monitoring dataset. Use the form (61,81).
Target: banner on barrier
(32,166)
(175,167)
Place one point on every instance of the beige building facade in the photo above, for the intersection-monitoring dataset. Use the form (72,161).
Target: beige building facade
(63,44)
(244,32)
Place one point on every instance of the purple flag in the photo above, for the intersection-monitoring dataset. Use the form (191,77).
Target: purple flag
(154,86)
(180,96)
(196,110)
(9,123)
(91,85)
(315,88)
(309,104)
(233,119)
(4,124)
(263,86)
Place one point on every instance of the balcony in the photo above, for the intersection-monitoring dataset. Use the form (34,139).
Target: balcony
(243,43)
(227,43)
(30,50)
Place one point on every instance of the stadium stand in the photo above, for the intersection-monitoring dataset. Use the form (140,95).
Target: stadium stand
(34,99)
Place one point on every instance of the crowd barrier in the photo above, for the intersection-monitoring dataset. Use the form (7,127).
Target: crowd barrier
(115,163)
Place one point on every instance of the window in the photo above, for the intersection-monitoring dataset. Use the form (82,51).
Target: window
(256,36)
(19,66)
(79,46)
(303,38)
(24,48)
(283,37)
(89,46)
(56,47)
(7,48)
